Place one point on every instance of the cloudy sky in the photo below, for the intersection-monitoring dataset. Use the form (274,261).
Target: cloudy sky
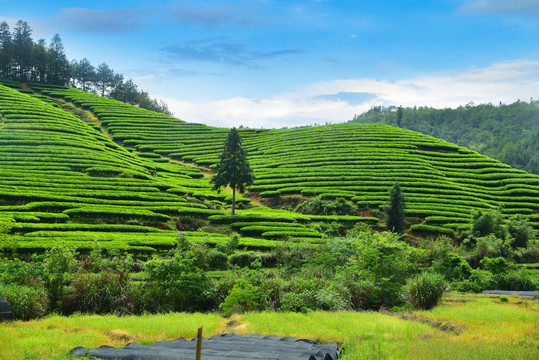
(276,63)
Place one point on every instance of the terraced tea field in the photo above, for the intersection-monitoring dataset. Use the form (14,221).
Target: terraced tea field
(124,176)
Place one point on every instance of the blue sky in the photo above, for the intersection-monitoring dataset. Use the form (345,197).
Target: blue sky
(267,63)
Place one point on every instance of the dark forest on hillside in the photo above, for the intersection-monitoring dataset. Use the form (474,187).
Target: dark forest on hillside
(509,133)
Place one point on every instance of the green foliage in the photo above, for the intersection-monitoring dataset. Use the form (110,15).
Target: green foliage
(394,209)
(489,222)
(425,291)
(478,281)
(489,246)
(243,297)
(232,243)
(59,265)
(376,270)
(217,260)
(233,168)
(516,280)
(318,206)
(452,266)
(104,292)
(27,302)
(176,284)
(20,272)
(505,132)
(102,285)
(242,259)
(496,266)
(292,301)
(520,231)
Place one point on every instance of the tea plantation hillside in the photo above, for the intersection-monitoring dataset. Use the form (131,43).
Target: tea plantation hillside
(62,178)
(443,182)
(130,178)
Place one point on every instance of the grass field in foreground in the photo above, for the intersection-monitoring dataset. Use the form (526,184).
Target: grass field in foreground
(482,327)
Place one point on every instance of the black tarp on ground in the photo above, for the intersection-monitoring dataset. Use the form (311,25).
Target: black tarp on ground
(5,310)
(219,347)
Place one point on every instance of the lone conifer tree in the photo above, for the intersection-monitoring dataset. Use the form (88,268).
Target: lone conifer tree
(394,209)
(233,169)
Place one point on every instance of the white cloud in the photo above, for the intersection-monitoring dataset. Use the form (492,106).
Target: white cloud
(504,82)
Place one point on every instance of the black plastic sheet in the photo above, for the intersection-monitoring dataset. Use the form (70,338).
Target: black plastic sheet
(219,347)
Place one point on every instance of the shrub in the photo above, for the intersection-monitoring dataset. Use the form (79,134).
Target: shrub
(333,297)
(217,260)
(20,272)
(176,284)
(318,206)
(425,291)
(488,222)
(520,231)
(490,246)
(232,243)
(529,254)
(481,280)
(242,259)
(497,265)
(59,265)
(292,301)
(515,281)
(243,297)
(104,292)
(27,302)
(380,262)
(452,266)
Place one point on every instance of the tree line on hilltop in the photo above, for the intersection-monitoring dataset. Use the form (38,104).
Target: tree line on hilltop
(509,133)
(22,59)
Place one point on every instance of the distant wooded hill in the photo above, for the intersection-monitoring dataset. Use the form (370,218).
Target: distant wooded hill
(509,133)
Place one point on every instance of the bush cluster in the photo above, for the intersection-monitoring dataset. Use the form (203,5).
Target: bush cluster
(362,270)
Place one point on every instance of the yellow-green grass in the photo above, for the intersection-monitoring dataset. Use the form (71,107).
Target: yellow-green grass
(54,336)
(488,329)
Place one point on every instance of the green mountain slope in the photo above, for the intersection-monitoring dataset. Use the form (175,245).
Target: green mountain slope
(61,177)
(509,133)
(57,173)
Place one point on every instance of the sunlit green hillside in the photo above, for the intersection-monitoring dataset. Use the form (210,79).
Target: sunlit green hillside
(82,168)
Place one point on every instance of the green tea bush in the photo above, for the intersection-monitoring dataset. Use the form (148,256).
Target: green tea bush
(425,291)
(27,302)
